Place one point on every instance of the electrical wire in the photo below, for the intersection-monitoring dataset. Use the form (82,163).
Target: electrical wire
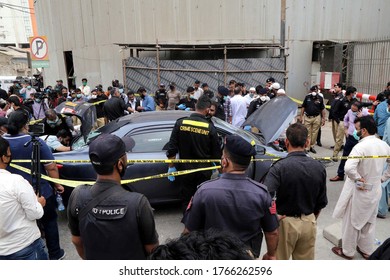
(15,9)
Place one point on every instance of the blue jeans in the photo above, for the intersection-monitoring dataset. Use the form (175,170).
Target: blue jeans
(35,251)
(50,228)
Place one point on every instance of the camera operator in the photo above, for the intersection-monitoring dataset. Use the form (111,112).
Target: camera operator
(17,137)
(40,105)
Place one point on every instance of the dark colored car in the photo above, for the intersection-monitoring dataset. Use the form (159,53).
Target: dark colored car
(151,132)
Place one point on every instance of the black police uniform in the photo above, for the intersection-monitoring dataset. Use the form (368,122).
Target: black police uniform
(189,103)
(99,105)
(233,203)
(117,228)
(303,190)
(254,105)
(194,137)
(341,108)
(220,110)
(161,97)
(313,105)
(114,108)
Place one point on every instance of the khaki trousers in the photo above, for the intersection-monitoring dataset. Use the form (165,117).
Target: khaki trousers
(339,129)
(313,124)
(334,129)
(297,238)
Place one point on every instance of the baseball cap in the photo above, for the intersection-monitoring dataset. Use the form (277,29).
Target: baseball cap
(240,150)
(223,90)
(270,80)
(106,149)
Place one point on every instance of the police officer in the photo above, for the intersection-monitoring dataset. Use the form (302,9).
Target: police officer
(340,109)
(161,97)
(106,221)
(234,202)
(194,137)
(313,109)
(221,100)
(257,102)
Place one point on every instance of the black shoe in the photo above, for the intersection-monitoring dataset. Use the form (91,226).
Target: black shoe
(332,147)
(319,144)
(313,151)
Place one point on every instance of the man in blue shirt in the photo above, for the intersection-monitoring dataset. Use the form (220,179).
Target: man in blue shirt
(147,101)
(381,115)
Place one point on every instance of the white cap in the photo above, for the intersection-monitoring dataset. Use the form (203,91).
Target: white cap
(275,86)
(281,91)
(252,89)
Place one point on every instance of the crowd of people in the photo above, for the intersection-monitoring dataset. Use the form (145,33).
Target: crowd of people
(231,213)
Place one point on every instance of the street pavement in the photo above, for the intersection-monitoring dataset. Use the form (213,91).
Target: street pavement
(168,217)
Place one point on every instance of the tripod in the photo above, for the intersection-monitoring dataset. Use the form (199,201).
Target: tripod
(35,163)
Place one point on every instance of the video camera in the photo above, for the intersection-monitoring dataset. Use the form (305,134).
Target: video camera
(37,129)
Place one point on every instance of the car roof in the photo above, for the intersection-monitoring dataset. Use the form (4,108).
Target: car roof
(145,117)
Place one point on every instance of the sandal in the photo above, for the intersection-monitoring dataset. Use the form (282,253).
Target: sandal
(364,255)
(339,252)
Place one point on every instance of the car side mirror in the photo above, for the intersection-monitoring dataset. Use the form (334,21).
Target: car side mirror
(260,150)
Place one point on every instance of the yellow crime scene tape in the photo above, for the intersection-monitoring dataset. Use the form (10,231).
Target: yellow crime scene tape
(73,184)
(301,102)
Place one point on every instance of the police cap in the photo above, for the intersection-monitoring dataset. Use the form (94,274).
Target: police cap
(223,90)
(106,150)
(240,151)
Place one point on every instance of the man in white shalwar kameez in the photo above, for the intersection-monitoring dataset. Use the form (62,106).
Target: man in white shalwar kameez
(358,208)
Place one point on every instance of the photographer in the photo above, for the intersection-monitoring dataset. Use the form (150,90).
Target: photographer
(17,137)
(39,105)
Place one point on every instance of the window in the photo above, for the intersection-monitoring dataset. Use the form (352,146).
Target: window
(149,142)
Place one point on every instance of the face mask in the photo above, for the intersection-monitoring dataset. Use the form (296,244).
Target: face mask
(225,98)
(38,100)
(93,96)
(263,98)
(84,83)
(313,93)
(79,96)
(121,90)
(354,113)
(356,135)
(251,95)
(192,97)
(29,87)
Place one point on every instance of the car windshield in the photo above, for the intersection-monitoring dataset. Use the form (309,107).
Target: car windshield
(109,128)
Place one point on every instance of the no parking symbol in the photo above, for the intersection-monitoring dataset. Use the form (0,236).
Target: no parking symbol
(39,51)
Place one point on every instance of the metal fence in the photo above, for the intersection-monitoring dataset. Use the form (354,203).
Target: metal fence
(369,65)
(148,72)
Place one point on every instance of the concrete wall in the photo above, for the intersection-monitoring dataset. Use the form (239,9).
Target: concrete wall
(91,28)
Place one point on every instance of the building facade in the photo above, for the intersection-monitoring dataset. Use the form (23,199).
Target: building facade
(89,39)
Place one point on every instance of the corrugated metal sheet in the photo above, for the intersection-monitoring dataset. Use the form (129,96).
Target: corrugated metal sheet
(142,72)
(369,66)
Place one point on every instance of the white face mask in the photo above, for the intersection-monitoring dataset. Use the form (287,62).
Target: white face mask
(263,98)
(314,93)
